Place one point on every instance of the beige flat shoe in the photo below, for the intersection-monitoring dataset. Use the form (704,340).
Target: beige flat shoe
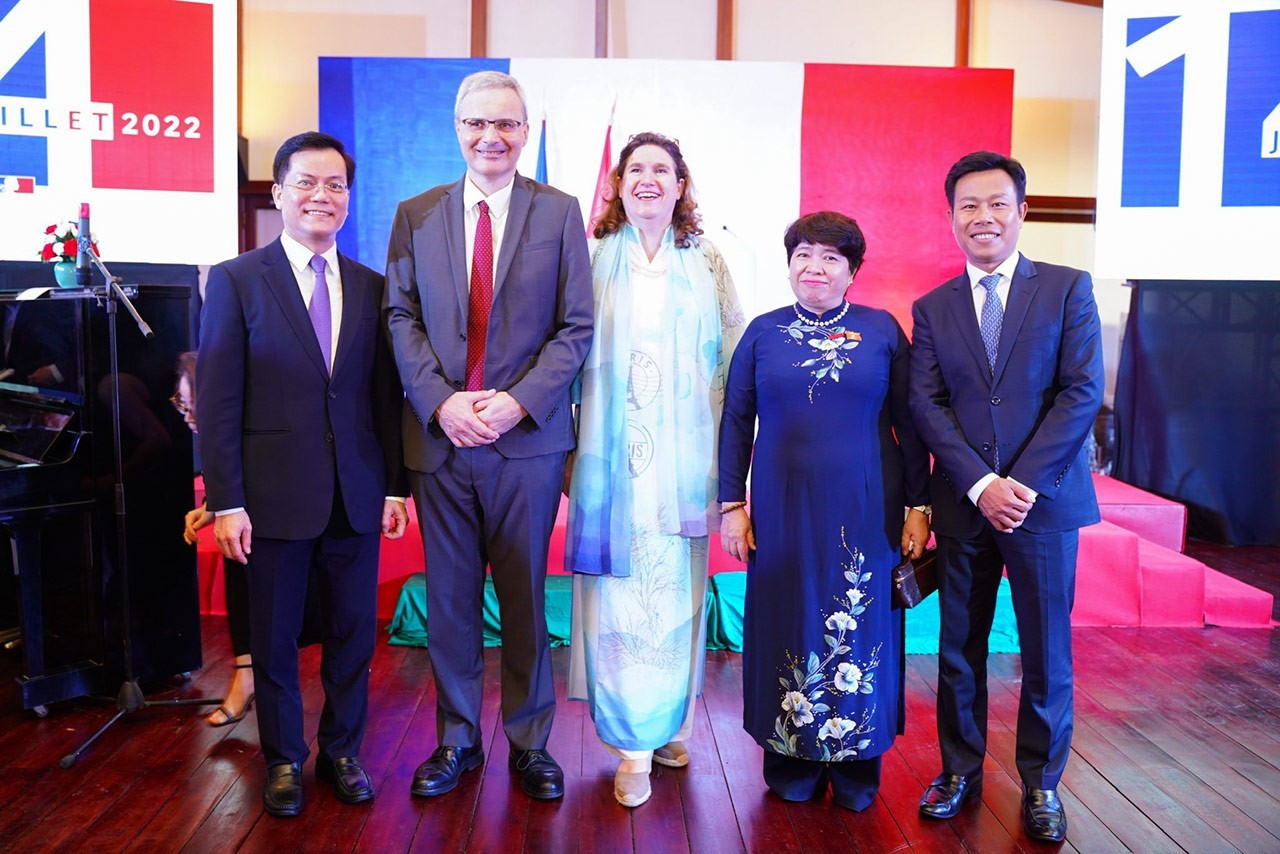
(673,755)
(631,790)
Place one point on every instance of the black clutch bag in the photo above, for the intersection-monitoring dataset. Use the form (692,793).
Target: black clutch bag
(914,580)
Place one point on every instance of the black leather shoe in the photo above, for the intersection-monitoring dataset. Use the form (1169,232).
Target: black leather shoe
(350,783)
(283,795)
(1043,815)
(540,776)
(948,793)
(441,772)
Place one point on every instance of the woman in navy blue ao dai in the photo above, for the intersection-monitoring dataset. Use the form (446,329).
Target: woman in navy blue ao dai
(836,465)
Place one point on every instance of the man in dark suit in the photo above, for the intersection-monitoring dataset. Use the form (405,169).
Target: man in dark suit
(489,303)
(299,402)
(1006,380)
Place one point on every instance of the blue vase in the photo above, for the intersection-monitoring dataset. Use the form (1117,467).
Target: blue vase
(65,274)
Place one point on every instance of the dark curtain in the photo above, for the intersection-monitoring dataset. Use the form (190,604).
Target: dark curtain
(1198,404)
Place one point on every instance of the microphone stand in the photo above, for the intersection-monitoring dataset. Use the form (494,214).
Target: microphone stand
(130,697)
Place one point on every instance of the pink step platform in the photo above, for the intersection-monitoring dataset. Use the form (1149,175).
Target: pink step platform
(1131,570)
(1151,517)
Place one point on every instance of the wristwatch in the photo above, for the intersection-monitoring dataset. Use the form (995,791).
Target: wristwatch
(926,509)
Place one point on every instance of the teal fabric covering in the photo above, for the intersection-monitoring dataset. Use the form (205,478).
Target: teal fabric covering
(729,590)
(409,624)
(923,621)
(725,596)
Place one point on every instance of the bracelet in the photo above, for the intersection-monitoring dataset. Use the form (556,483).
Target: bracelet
(731,506)
(926,509)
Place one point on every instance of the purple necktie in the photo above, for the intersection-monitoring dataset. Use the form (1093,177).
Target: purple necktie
(319,312)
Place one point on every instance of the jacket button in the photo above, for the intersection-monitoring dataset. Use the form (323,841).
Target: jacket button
(457,383)
(333,395)
(462,336)
(328,437)
(986,446)
(995,401)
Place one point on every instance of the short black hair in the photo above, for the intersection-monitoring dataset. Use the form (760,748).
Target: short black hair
(312,140)
(985,161)
(832,228)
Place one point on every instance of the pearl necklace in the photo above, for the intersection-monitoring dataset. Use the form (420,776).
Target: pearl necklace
(821,324)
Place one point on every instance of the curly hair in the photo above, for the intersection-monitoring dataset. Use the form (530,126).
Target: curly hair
(685,217)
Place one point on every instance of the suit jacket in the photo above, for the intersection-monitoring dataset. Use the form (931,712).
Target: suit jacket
(278,433)
(1032,416)
(539,326)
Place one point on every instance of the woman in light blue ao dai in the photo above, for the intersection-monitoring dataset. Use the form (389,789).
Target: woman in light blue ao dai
(643,481)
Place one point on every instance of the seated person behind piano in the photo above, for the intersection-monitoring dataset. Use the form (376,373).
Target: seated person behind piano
(239,694)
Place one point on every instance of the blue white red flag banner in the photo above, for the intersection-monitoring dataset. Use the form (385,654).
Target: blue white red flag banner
(129,105)
(765,142)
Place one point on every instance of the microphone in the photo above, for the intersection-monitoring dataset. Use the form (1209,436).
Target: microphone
(84,266)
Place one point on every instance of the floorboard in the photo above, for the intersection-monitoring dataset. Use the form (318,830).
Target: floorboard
(1177,747)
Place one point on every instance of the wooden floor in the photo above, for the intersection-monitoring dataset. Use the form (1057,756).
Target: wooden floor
(1177,747)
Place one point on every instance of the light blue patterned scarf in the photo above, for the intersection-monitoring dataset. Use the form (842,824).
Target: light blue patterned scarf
(600,499)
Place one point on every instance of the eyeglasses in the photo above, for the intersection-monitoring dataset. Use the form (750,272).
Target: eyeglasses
(179,404)
(479,126)
(307,186)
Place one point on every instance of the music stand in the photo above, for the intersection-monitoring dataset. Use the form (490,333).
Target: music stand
(130,697)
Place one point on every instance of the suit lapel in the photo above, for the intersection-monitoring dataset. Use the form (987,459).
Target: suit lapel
(284,287)
(1021,291)
(353,296)
(967,320)
(517,215)
(455,238)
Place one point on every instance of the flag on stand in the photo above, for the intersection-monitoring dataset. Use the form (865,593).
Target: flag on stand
(603,191)
(541,175)
(17,184)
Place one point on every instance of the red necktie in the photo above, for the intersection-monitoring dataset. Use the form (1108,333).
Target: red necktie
(481,299)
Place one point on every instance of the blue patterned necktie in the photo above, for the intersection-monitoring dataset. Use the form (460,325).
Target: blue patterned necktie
(992,316)
(319,311)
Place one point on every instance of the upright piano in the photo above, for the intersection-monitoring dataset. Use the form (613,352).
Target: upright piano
(60,579)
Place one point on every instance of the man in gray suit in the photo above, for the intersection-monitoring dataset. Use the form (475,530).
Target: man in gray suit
(489,304)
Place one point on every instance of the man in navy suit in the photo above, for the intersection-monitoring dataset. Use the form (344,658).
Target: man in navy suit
(490,308)
(1006,380)
(299,404)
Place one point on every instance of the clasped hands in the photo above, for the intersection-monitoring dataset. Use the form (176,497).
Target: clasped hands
(1005,503)
(474,418)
